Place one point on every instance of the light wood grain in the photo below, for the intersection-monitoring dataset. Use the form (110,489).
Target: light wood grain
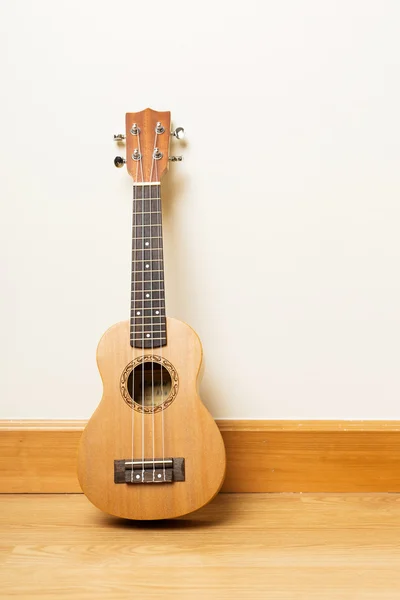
(328,459)
(275,456)
(184,429)
(289,547)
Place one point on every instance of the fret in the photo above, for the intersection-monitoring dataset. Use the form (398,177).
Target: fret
(147,205)
(147,231)
(152,302)
(147,284)
(151,316)
(140,288)
(152,243)
(137,307)
(148,321)
(151,320)
(148,310)
(140,213)
(148,270)
(154,265)
(150,296)
(148,338)
(151,254)
(148,251)
(147,218)
(138,292)
(145,339)
(147,329)
(151,260)
(152,308)
(156,280)
(139,277)
(156,277)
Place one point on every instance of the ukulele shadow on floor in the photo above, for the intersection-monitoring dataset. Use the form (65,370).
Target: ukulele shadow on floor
(214,514)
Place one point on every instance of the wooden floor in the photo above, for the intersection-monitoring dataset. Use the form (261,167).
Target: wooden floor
(241,546)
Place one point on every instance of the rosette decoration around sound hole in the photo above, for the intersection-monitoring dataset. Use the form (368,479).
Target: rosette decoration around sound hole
(149,383)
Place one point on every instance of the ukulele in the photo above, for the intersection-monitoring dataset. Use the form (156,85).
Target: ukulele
(151,450)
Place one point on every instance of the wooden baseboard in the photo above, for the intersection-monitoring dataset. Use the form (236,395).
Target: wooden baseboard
(262,456)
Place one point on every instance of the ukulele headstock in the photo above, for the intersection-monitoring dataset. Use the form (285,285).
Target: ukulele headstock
(147,137)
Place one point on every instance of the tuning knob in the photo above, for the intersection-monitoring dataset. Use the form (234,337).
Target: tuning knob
(119,161)
(175,158)
(179,133)
(119,137)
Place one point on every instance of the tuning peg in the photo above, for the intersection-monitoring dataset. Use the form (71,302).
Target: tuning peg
(175,158)
(119,161)
(119,137)
(179,133)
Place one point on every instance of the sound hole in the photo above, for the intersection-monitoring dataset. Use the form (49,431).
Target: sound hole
(149,384)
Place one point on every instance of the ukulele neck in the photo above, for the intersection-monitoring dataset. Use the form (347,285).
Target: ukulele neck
(147,319)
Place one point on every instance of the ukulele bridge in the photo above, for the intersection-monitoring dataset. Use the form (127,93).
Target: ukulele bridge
(149,470)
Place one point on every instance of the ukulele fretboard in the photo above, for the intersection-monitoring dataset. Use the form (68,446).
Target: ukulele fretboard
(148,328)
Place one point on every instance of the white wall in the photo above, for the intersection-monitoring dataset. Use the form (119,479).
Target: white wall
(281,226)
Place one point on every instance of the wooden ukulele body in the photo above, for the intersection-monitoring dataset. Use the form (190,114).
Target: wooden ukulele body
(183,428)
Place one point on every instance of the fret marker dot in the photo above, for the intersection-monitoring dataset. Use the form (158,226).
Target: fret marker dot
(147,243)
(147,295)
(137,476)
(147,266)
(147,335)
(159,475)
(157,312)
(138,312)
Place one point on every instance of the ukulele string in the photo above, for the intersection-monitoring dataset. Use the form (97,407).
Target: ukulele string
(143,336)
(160,260)
(158,270)
(153,164)
(133,312)
(163,320)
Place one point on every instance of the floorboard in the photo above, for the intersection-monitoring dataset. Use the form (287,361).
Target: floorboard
(269,546)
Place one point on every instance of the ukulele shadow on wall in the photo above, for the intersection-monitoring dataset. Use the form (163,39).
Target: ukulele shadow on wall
(188,281)
(182,282)
(186,296)
(174,190)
